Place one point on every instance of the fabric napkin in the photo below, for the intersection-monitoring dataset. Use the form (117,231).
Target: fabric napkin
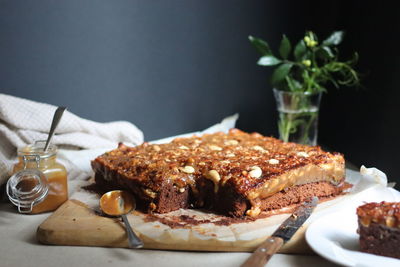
(23,122)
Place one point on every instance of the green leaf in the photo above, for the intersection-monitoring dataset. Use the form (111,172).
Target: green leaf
(334,39)
(353,60)
(299,50)
(268,61)
(285,47)
(261,45)
(280,73)
(325,52)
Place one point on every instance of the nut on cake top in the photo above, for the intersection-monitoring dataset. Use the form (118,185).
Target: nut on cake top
(253,164)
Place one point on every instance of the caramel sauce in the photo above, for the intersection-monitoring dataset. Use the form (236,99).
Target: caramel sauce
(56,176)
(27,184)
(58,194)
(254,166)
(116,203)
(229,158)
(386,213)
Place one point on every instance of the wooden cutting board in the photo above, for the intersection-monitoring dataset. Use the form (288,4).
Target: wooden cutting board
(75,224)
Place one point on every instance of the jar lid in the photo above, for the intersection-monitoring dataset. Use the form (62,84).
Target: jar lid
(27,188)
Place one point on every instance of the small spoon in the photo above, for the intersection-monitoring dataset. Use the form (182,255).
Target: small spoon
(120,203)
(56,119)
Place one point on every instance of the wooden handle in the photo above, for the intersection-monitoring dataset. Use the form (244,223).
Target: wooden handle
(264,252)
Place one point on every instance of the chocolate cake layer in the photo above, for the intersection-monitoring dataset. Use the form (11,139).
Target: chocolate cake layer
(235,173)
(380,240)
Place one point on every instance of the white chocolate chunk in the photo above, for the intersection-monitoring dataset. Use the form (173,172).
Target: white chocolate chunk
(215,148)
(187,169)
(258,148)
(214,176)
(273,161)
(255,172)
(302,154)
(253,212)
(231,142)
(150,192)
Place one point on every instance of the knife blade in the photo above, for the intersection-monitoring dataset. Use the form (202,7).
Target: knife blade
(282,235)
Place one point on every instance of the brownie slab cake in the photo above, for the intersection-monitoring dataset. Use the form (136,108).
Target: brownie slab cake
(235,174)
(379,228)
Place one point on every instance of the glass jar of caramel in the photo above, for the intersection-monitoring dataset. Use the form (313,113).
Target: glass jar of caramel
(39,182)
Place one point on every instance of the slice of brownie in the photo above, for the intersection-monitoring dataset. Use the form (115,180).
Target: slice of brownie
(235,174)
(379,228)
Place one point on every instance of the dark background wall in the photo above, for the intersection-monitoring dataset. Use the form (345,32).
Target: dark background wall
(178,66)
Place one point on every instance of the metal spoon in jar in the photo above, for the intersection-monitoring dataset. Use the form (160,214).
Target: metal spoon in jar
(56,119)
(120,203)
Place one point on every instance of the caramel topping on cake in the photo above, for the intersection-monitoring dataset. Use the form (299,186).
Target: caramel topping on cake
(256,166)
(385,213)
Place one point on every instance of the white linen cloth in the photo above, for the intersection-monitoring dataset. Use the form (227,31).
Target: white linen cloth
(23,122)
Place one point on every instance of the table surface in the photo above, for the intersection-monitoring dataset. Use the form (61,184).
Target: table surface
(20,248)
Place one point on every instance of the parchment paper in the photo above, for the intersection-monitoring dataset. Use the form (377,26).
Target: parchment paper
(369,185)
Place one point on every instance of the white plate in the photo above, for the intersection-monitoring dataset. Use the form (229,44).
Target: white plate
(334,237)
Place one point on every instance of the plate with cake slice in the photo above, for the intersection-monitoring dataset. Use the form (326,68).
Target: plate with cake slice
(366,237)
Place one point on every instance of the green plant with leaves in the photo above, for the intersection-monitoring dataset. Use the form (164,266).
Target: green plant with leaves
(305,70)
(313,64)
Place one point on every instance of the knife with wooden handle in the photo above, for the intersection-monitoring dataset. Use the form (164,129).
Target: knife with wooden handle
(283,234)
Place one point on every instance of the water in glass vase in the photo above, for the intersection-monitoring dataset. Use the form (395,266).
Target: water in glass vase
(299,126)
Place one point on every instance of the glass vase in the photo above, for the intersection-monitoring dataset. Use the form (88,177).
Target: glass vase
(298,116)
